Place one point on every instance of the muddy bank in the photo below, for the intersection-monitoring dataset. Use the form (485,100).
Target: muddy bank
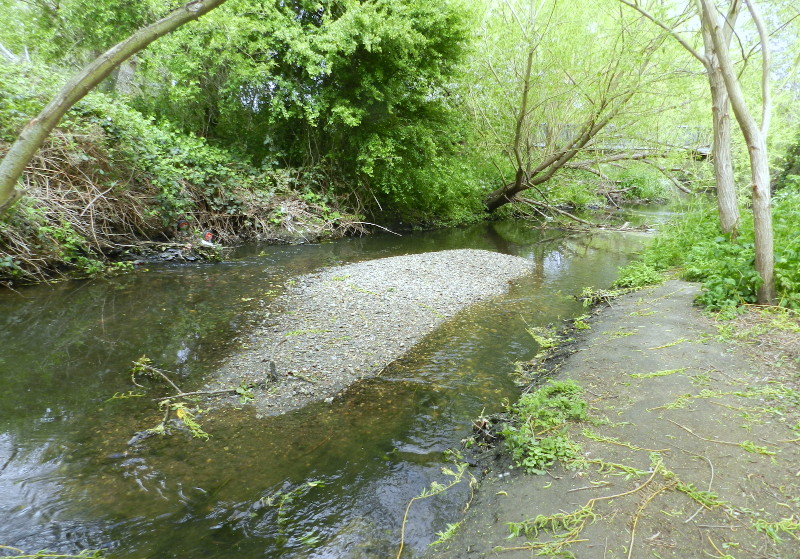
(348,322)
(690,449)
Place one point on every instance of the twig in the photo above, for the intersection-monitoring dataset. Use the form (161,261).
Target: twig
(375,225)
(195,393)
(710,483)
(599,485)
(703,438)
(536,203)
(639,512)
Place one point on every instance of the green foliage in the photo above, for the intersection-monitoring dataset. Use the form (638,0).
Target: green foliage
(72,31)
(358,90)
(282,501)
(789,526)
(724,266)
(187,416)
(446,534)
(536,436)
(641,182)
(638,274)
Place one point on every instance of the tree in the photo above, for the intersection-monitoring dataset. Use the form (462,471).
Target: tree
(357,95)
(755,135)
(566,86)
(36,131)
(721,154)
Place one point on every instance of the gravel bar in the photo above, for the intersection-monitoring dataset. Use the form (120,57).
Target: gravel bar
(345,323)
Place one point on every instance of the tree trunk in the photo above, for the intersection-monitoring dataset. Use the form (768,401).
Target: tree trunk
(762,219)
(721,157)
(755,137)
(36,131)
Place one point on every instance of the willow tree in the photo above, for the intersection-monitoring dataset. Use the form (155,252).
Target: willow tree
(755,134)
(721,153)
(34,133)
(559,89)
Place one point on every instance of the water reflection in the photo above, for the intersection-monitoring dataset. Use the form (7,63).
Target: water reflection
(330,480)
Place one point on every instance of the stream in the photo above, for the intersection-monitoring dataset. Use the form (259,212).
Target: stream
(331,480)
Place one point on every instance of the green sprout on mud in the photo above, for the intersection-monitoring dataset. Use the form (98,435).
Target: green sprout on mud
(788,526)
(537,434)
(447,533)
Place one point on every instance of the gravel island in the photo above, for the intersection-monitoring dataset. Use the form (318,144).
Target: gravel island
(341,324)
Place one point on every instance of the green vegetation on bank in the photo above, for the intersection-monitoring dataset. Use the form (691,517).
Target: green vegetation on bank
(304,120)
(110,178)
(694,245)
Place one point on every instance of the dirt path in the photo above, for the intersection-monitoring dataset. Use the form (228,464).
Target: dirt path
(692,447)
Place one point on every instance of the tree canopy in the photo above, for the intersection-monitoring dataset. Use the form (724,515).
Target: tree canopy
(420,111)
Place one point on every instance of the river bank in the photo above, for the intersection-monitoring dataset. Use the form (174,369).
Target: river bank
(690,449)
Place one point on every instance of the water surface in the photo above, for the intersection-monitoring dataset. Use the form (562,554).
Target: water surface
(329,480)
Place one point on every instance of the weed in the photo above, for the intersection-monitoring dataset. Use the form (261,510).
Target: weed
(447,533)
(537,436)
(671,344)
(282,502)
(187,416)
(637,275)
(580,322)
(591,296)
(658,373)
(456,475)
(621,333)
(589,434)
(788,526)
(707,499)
(545,337)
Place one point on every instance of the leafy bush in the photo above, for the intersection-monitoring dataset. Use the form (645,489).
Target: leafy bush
(641,182)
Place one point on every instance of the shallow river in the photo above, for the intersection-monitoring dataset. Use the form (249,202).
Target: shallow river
(330,480)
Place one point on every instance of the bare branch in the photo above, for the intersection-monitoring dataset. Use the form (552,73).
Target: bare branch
(668,29)
(766,97)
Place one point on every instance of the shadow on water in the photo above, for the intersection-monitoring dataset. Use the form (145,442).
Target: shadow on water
(330,480)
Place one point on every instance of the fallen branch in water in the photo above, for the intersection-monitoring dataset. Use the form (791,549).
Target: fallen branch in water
(179,402)
(538,204)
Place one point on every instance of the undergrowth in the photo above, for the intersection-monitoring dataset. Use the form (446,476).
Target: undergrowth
(537,436)
(695,245)
(108,181)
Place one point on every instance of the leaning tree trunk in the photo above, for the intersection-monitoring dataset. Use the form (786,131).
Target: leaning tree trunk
(36,131)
